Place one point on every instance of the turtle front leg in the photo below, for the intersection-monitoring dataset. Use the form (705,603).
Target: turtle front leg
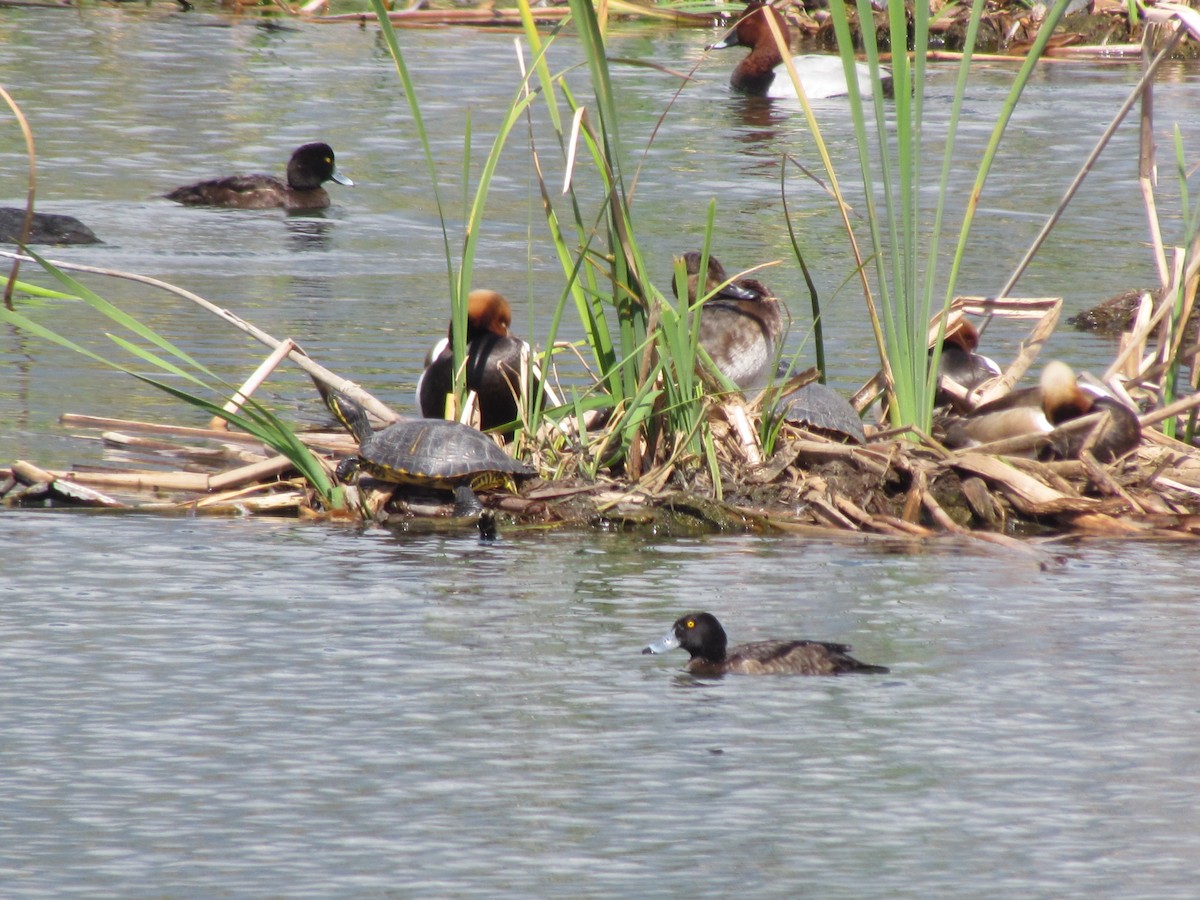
(465,501)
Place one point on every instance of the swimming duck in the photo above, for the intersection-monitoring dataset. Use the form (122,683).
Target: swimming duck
(741,326)
(1057,399)
(46,228)
(701,635)
(762,71)
(311,166)
(494,365)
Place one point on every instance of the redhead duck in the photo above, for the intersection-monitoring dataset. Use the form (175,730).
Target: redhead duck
(741,326)
(46,228)
(960,362)
(701,635)
(762,71)
(494,365)
(1057,399)
(310,166)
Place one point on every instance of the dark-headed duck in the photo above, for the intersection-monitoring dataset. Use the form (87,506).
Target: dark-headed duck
(1057,399)
(762,71)
(310,167)
(701,635)
(741,325)
(495,362)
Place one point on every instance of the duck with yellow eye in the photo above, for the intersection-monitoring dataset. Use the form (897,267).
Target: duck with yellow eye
(741,324)
(701,635)
(310,167)
(498,366)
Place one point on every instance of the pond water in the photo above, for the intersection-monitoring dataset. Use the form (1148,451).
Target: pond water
(196,707)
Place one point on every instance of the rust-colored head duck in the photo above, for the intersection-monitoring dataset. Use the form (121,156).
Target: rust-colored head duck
(741,325)
(310,167)
(960,361)
(1057,399)
(701,635)
(762,72)
(495,362)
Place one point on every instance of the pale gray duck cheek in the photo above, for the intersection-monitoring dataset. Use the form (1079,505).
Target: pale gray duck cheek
(667,642)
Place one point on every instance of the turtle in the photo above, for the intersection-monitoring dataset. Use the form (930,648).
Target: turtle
(821,408)
(434,453)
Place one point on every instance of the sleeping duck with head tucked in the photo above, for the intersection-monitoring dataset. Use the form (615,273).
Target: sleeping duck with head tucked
(1056,400)
(741,323)
(701,635)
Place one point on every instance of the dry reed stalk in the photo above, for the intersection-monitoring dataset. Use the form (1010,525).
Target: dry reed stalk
(268,365)
(1029,495)
(82,421)
(1026,356)
(226,497)
(268,468)
(29,474)
(292,501)
(29,192)
(137,481)
(319,373)
(211,455)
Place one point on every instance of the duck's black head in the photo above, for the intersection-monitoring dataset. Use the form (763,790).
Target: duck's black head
(699,633)
(311,166)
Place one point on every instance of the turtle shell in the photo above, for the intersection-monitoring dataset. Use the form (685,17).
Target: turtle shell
(821,407)
(438,453)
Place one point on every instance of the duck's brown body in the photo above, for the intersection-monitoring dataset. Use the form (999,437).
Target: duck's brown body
(741,324)
(1056,400)
(310,166)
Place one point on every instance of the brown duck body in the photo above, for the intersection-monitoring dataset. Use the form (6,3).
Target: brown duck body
(495,362)
(741,325)
(310,166)
(1056,400)
(45,228)
(703,637)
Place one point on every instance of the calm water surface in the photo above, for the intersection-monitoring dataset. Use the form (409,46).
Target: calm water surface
(271,708)
(197,708)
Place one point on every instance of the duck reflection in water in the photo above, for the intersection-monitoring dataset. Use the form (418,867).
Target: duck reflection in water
(741,324)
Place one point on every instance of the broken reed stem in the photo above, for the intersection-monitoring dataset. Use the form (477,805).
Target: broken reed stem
(265,368)
(314,370)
